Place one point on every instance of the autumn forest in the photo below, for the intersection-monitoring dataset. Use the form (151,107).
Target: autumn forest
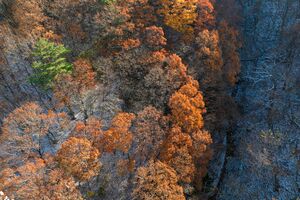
(117,99)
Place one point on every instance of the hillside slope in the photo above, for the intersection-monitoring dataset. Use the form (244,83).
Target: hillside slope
(263,151)
(266,159)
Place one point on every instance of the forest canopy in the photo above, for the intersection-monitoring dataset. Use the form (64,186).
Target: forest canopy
(131,97)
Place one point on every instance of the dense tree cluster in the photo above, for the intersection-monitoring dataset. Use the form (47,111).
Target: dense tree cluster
(28,17)
(29,158)
(160,143)
(38,180)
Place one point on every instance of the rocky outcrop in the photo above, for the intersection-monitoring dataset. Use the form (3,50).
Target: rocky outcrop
(266,159)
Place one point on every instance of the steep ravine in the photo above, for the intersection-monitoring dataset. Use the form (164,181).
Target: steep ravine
(266,160)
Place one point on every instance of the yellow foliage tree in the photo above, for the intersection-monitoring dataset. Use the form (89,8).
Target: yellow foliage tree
(179,14)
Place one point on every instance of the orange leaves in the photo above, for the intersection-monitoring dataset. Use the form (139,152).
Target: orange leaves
(143,13)
(159,56)
(24,118)
(29,16)
(166,74)
(176,153)
(155,36)
(187,107)
(23,130)
(131,44)
(208,50)
(63,90)
(76,31)
(90,130)
(59,186)
(201,141)
(157,181)
(122,121)
(38,180)
(79,158)
(175,63)
(83,74)
(191,145)
(188,16)
(51,36)
(183,164)
(206,16)
(125,166)
(19,182)
(176,139)
(118,136)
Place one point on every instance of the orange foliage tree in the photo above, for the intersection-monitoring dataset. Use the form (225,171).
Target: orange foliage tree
(206,15)
(157,181)
(143,13)
(208,50)
(79,158)
(155,37)
(83,74)
(38,180)
(176,153)
(130,44)
(187,107)
(166,75)
(202,153)
(24,129)
(17,142)
(91,130)
(29,16)
(125,166)
(118,136)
